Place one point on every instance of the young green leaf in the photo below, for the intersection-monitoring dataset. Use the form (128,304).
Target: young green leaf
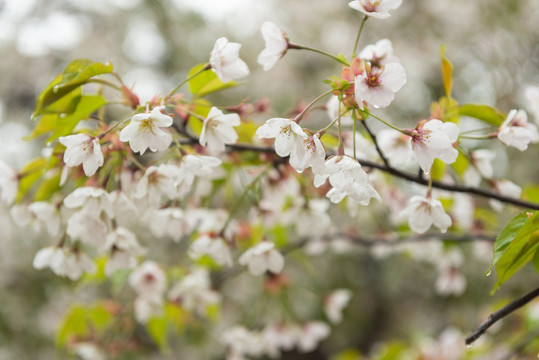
(483,112)
(447,73)
(206,82)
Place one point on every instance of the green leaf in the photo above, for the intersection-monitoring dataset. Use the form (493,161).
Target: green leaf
(32,172)
(76,74)
(437,171)
(158,331)
(449,109)
(483,112)
(520,250)
(47,188)
(461,164)
(206,82)
(508,233)
(535,261)
(343,59)
(62,124)
(447,73)
(80,320)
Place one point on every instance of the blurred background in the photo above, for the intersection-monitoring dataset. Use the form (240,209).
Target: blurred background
(493,44)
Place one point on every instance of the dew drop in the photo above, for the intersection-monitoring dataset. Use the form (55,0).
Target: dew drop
(469,346)
(489,272)
(55,89)
(427,172)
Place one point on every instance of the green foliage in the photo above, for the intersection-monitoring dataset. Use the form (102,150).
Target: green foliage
(56,97)
(157,328)
(60,124)
(206,82)
(81,320)
(515,246)
(31,173)
(484,113)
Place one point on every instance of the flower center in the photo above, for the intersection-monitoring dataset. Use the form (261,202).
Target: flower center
(372,77)
(370,5)
(146,126)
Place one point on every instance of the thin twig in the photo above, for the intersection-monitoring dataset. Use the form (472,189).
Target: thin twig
(378,149)
(500,314)
(397,173)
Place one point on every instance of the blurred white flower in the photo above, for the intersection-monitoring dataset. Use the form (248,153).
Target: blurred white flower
(147,308)
(517,132)
(377,85)
(287,133)
(313,218)
(422,212)
(145,131)
(214,247)
(63,262)
(531,94)
(276,45)
(375,8)
(218,130)
(87,227)
(333,111)
(195,166)
(261,258)
(88,351)
(158,181)
(122,248)
(311,334)
(379,54)
(240,343)
(505,188)
(9,183)
(395,146)
(170,222)
(348,179)
(225,60)
(194,291)
(90,199)
(41,213)
(82,149)
(335,303)
(450,280)
(434,139)
(148,280)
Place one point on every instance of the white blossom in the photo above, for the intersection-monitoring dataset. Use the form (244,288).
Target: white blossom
(287,133)
(225,60)
(450,280)
(377,85)
(88,351)
(194,291)
(335,303)
(9,183)
(170,222)
(276,45)
(311,153)
(90,199)
(214,247)
(87,227)
(122,248)
(333,106)
(158,181)
(311,334)
(531,94)
(148,280)
(241,342)
(395,146)
(195,166)
(313,218)
(40,213)
(145,131)
(348,179)
(422,212)
(261,258)
(516,131)
(218,130)
(434,139)
(64,262)
(379,54)
(147,308)
(365,148)
(505,188)
(375,8)
(82,149)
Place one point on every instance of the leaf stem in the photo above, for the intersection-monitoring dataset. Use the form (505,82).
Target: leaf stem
(302,47)
(299,116)
(358,35)
(388,124)
(204,68)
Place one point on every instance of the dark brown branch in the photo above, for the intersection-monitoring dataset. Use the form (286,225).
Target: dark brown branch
(500,314)
(397,173)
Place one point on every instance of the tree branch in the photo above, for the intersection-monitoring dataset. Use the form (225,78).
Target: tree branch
(397,173)
(500,314)
(375,142)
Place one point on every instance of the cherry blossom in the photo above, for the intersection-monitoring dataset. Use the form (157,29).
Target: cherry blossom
(423,212)
(40,213)
(82,149)
(63,262)
(241,342)
(396,146)
(194,291)
(335,303)
(379,54)
(145,131)
(87,227)
(148,280)
(170,222)
(480,166)
(88,351)
(375,8)
(90,199)
(195,166)
(261,258)
(377,85)
(213,246)
(122,248)
(9,183)
(531,94)
(287,133)
(348,179)
(517,132)
(158,181)
(309,153)
(147,308)
(225,60)
(276,45)
(311,334)
(505,188)
(333,106)
(434,139)
(218,130)
(365,148)
(450,280)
